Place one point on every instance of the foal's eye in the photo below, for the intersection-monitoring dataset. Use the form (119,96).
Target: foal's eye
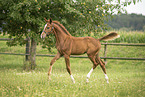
(47,27)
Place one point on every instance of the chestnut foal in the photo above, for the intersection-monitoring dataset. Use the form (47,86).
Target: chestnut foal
(68,45)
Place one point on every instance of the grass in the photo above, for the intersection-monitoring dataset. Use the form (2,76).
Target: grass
(127,78)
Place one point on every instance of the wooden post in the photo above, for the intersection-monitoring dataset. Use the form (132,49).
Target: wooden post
(105,53)
(27,49)
(33,53)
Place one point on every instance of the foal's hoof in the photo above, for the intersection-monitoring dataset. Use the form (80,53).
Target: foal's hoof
(74,82)
(107,82)
(49,78)
(87,81)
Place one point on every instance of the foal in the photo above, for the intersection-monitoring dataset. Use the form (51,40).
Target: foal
(68,45)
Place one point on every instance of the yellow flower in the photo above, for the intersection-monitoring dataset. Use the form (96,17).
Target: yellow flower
(89,11)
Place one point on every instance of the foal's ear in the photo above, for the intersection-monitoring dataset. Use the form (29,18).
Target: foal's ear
(46,20)
(50,20)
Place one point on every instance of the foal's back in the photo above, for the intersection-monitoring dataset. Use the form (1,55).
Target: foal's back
(81,45)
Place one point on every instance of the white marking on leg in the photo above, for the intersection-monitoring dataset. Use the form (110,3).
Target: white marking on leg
(89,74)
(72,78)
(49,72)
(106,77)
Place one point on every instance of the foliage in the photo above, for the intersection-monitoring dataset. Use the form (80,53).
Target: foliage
(128,22)
(23,18)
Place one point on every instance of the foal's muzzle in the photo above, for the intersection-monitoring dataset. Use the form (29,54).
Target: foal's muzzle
(43,34)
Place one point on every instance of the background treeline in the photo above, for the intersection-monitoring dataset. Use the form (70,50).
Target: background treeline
(128,22)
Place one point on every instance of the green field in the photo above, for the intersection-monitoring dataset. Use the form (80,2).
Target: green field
(127,78)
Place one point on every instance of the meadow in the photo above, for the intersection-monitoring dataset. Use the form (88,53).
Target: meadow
(126,77)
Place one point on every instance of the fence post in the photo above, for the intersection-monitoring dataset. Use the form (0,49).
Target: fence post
(105,53)
(27,49)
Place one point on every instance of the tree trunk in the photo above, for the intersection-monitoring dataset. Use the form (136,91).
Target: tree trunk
(30,63)
(33,54)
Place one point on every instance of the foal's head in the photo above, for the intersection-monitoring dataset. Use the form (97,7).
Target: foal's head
(48,28)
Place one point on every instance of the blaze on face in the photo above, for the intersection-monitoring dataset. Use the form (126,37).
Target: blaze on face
(48,28)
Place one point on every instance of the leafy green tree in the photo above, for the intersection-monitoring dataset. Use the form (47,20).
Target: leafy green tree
(25,18)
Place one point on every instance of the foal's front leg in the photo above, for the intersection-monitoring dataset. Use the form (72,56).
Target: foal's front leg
(51,64)
(67,61)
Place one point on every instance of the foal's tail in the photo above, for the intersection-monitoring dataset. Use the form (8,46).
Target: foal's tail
(111,36)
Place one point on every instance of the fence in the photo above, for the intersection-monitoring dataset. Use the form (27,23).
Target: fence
(105,51)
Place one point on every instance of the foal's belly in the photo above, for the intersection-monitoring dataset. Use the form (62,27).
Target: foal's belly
(78,52)
(79,47)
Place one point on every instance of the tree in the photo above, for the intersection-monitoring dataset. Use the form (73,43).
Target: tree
(21,19)
(25,18)
(129,21)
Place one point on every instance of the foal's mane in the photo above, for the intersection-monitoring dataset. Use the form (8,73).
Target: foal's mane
(63,28)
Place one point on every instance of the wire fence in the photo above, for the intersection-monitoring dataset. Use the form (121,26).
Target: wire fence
(104,56)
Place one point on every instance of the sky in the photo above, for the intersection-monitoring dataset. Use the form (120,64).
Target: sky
(138,8)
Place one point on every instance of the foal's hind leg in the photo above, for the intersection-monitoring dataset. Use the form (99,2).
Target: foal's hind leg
(95,64)
(51,64)
(102,64)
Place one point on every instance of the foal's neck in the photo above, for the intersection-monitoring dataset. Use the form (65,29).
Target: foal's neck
(60,35)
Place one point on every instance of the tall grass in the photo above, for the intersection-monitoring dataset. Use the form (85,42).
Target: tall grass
(126,37)
(131,37)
